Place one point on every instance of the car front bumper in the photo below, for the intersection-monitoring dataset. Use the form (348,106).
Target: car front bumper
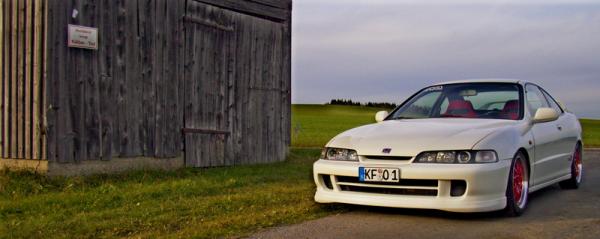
(425,186)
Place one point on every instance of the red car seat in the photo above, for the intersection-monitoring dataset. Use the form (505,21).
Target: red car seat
(511,110)
(460,108)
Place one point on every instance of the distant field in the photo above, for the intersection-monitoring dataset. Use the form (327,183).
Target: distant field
(315,125)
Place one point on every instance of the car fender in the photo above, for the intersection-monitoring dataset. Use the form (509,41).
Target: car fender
(507,141)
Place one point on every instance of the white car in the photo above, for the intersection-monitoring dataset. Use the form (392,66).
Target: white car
(465,146)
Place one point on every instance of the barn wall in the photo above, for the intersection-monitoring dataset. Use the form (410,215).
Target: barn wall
(123,99)
(22,85)
(126,100)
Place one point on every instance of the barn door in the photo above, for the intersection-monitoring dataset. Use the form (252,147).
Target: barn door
(208,64)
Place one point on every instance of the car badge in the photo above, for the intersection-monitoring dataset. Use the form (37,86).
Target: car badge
(386,150)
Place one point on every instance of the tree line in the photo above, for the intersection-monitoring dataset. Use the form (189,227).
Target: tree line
(358,103)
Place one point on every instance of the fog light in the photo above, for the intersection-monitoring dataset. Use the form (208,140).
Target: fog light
(326,181)
(458,188)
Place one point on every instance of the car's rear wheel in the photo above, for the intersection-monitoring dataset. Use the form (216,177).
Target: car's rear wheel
(517,191)
(576,170)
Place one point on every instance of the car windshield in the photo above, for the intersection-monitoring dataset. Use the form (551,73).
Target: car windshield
(467,100)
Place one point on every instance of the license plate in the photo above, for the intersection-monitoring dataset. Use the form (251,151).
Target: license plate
(378,174)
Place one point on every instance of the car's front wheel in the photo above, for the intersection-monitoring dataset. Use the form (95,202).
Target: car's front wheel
(576,170)
(517,191)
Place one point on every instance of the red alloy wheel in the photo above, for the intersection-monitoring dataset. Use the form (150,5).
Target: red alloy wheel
(577,163)
(518,172)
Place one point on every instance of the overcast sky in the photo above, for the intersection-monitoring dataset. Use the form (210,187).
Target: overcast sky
(385,50)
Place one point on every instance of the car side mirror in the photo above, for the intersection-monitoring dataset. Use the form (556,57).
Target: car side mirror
(381,115)
(545,115)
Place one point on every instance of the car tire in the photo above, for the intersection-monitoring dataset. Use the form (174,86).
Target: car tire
(576,170)
(517,191)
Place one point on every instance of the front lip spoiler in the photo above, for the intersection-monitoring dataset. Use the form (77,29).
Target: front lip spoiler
(460,204)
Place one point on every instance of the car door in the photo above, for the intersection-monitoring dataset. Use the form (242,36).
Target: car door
(547,135)
(568,139)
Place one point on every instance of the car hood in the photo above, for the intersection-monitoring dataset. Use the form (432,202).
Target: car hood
(410,137)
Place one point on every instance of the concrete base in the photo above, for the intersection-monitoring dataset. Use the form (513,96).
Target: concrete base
(116,165)
(38,166)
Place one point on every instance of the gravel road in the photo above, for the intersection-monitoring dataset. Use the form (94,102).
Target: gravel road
(552,213)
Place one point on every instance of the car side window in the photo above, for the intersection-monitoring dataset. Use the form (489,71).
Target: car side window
(535,99)
(553,103)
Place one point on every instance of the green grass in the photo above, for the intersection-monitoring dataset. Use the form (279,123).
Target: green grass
(591,132)
(315,125)
(217,202)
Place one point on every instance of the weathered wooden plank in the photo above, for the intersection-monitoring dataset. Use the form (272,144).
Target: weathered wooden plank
(11,80)
(36,76)
(75,100)
(146,57)
(42,107)
(232,125)
(121,139)
(251,8)
(159,37)
(283,4)
(191,86)
(28,80)
(166,91)
(258,114)
(51,87)
(66,93)
(177,65)
(181,10)
(208,23)
(90,78)
(243,72)
(133,107)
(169,112)
(19,91)
(106,85)
(203,82)
(2,75)
(287,61)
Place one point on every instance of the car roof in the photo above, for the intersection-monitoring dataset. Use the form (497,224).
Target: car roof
(483,81)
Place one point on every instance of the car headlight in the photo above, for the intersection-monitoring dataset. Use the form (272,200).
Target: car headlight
(458,157)
(339,154)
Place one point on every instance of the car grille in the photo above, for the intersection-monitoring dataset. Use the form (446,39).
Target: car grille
(417,187)
(377,157)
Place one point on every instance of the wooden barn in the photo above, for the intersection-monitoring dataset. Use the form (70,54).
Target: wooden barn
(96,86)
